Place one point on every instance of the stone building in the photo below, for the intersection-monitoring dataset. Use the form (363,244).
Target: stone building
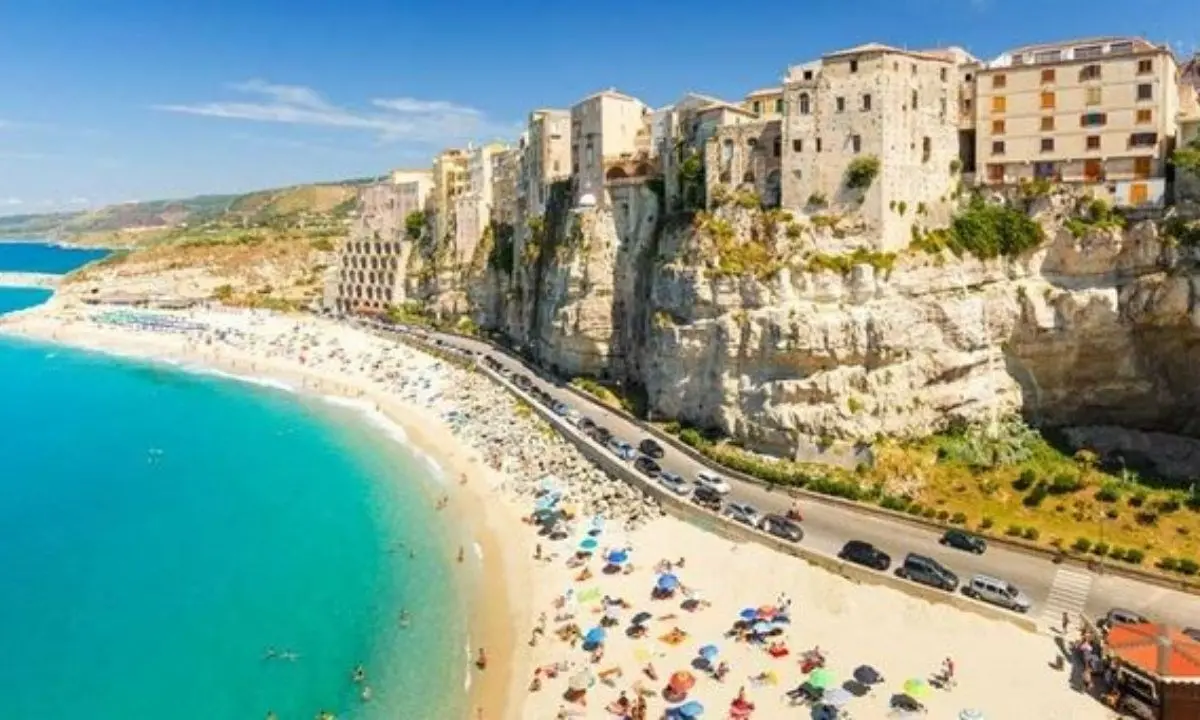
(546,158)
(1100,112)
(746,155)
(414,190)
(608,129)
(506,177)
(369,272)
(685,129)
(767,103)
(873,103)
(450,179)
(473,206)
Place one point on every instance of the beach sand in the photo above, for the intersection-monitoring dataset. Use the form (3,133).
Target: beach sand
(1002,671)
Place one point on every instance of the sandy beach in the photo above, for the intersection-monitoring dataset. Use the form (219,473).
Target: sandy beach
(602,609)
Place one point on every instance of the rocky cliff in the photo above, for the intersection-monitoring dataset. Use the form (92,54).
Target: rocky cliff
(775,328)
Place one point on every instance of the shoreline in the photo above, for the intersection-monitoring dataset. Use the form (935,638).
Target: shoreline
(497,612)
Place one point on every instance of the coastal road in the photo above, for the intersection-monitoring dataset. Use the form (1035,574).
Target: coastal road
(1052,588)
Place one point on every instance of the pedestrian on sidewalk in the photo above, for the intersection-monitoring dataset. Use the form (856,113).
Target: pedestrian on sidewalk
(1066,622)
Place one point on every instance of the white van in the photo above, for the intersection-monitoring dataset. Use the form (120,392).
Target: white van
(997,592)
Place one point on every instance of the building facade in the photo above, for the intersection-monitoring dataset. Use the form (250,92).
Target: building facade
(506,177)
(369,272)
(686,128)
(873,102)
(473,207)
(450,180)
(746,155)
(766,103)
(608,129)
(414,190)
(546,158)
(1099,112)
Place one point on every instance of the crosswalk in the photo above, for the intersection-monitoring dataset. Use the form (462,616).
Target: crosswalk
(1068,594)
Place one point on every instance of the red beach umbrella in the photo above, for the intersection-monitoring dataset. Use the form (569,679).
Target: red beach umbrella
(681,682)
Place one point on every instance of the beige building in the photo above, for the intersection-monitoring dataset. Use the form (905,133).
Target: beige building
(546,158)
(766,103)
(473,206)
(609,130)
(506,178)
(746,155)
(682,131)
(369,272)
(414,189)
(874,101)
(1100,111)
(450,179)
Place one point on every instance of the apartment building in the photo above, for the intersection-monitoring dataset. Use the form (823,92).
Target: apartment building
(608,129)
(473,206)
(874,101)
(413,190)
(685,128)
(546,158)
(1098,111)
(506,178)
(450,180)
(369,271)
(767,103)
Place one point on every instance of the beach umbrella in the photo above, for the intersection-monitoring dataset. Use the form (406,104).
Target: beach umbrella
(837,697)
(641,618)
(749,614)
(682,681)
(617,557)
(612,612)
(762,628)
(708,652)
(595,636)
(867,675)
(767,612)
(916,688)
(668,582)
(690,709)
(581,681)
(588,544)
(820,678)
(970,714)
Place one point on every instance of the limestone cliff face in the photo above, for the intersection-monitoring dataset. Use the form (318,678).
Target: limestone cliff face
(765,326)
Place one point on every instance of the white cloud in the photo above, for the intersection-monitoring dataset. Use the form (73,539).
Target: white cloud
(79,201)
(12,202)
(394,119)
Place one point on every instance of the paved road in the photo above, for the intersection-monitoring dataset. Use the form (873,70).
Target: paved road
(1053,588)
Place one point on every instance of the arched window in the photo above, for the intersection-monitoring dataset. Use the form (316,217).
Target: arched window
(804,103)
(615,173)
(748,177)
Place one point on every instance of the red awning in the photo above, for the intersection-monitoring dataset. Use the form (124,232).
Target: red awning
(1156,649)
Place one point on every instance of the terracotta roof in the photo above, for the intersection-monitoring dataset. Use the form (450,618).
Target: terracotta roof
(1157,649)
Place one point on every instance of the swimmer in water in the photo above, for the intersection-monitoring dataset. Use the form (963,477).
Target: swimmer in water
(405,618)
(289,656)
(366,693)
(270,654)
(360,674)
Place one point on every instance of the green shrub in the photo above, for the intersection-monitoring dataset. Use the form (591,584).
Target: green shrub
(322,245)
(1013,531)
(1036,496)
(986,523)
(1108,494)
(1168,505)
(1138,499)
(1133,556)
(1146,517)
(1025,481)
(1081,545)
(861,172)
(1117,553)
(692,437)
(672,428)
(1193,501)
(916,509)
(958,518)
(1168,563)
(1100,548)
(891,502)
(223,292)
(1030,533)
(818,200)
(1064,483)
(989,230)
(1112,513)
(1188,566)
(929,513)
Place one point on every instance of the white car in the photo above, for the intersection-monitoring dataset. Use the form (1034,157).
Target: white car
(674,483)
(713,481)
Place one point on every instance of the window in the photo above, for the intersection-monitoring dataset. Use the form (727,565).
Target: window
(999,81)
(1141,168)
(995,173)
(1092,96)
(1048,123)
(779,106)
(1093,171)
(1094,119)
(970,77)
(926,149)
(966,105)
(1048,101)
(1145,91)
(757,107)
(997,127)
(752,143)
(999,104)
(797,146)
(777,147)
(942,108)
(1047,144)
(998,147)
(1047,56)
(1145,117)
(914,99)
(1144,139)
(1088,51)
(856,143)
(1093,142)
(853,66)
(803,103)
(1048,76)
(1089,72)
(942,74)
(866,101)
(1145,66)
(818,144)
(808,75)
(841,104)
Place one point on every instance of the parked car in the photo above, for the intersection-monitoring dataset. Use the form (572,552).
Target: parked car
(586,424)
(961,540)
(705,496)
(573,417)
(674,483)
(744,513)
(647,467)
(651,448)
(712,481)
(781,527)
(997,592)
(864,553)
(601,434)
(560,409)
(927,571)
(622,449)
(1120,616)
(1193,633)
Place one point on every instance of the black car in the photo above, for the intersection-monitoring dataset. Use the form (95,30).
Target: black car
(707,497)
(781,527)
(864,553)
(601,434)
(927,571)
(586,424)
(651,448)
(647,467)
(960,540)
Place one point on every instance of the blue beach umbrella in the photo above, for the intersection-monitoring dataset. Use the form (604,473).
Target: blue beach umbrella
(691,709)
(748,614)
(588,544)
(617,557)
(668,582)
(595,636)
(708,652)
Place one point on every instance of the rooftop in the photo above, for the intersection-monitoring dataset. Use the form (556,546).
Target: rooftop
(765,91)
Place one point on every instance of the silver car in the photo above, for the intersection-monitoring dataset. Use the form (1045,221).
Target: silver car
(674,483)
(997,592)
(743,513)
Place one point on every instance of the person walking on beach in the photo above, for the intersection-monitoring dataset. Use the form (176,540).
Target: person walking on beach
(481,660)
(460,553)
(1066,622)
(948,669)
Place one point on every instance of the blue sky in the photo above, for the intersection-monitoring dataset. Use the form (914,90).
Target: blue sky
(105,101)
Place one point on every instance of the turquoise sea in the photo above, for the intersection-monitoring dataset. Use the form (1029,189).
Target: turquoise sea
(43,257)
(163,530)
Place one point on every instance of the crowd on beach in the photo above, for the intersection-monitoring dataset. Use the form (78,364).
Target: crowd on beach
(641,616)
